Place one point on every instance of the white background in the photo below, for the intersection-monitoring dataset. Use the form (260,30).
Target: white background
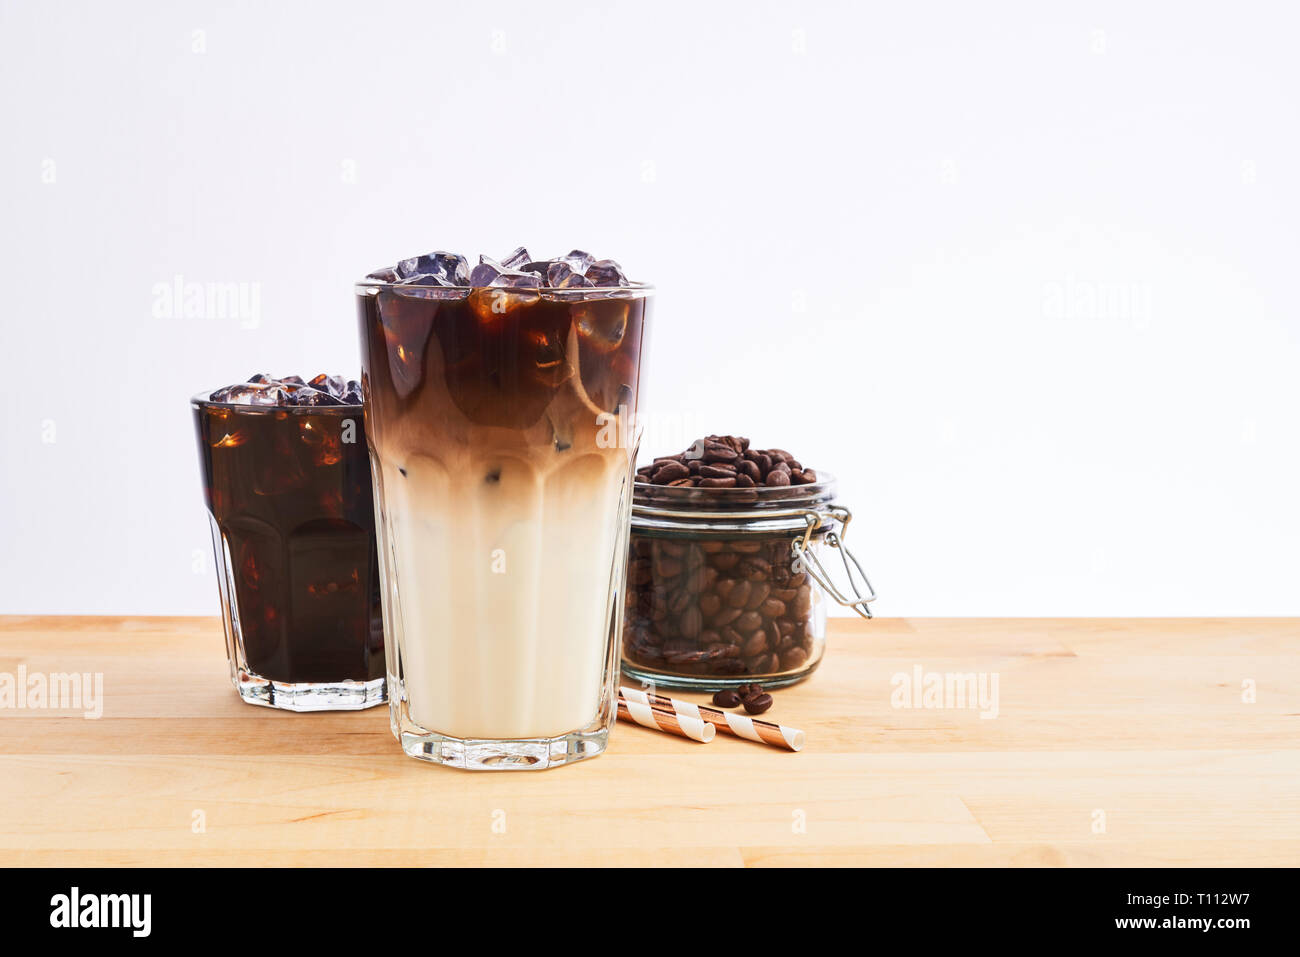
(1023,278)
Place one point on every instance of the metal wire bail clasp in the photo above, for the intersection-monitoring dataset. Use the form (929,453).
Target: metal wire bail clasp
(806,558)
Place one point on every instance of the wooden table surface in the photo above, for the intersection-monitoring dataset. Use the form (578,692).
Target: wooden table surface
(1116,742)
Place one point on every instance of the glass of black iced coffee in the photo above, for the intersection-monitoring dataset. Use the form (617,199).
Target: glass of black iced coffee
(286,476)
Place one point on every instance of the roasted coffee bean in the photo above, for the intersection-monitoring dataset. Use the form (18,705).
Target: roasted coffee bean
(726,698)
(746,547)
(717,471)
(775,479)
(749,690)
(712,546)
(744,481)
(678,646)
(786,626)
(755,569)
(773,634)
(757,594)
(739,594)
(784,594)
(723,588)
(724,561)
(771,608)
(693,582)
(718,452)
(666,547)
(710,603)
(731,636)
(690,623)
(794,659)
(725,616)
(748,621)
(755,644)
(678,483)
(749,467)
(666,567)
(758,703)
(722,482)
(679,600)
(669,472)
(802,601)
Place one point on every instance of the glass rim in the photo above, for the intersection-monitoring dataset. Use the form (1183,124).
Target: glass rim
(364,286)
(202,400)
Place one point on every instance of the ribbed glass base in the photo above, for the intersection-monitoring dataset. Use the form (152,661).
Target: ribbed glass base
(310,696)
(524,754)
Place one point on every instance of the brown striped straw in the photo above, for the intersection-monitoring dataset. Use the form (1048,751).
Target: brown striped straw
(742,726)
(665,719)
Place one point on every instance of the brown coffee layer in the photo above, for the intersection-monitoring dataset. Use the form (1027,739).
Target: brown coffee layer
(498,371)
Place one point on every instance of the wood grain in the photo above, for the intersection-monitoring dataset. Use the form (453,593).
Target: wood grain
(1144,726)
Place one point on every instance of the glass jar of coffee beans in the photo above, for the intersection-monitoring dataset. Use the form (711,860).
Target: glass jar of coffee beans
(727,581)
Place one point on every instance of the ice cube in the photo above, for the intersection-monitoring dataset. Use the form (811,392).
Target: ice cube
(517,258)
(314,397)
(493,302)
(251,393)
(562,276)
(406,333)
(331,384)
(450,268)
(492,273)
(601,323)
(606,272)
(486,270)
(578,261)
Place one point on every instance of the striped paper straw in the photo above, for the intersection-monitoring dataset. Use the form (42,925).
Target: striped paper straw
(742,726)
(663,719)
